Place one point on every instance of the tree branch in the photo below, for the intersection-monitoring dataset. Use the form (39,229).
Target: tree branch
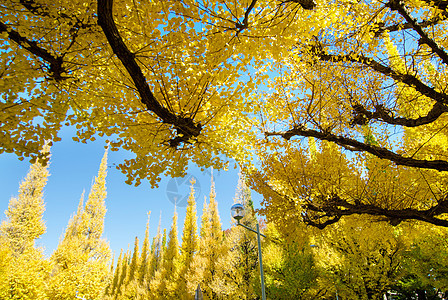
(407,79)
(354,145)
(335,208)
(185,126)
(40,10)
(361,116)
(305,4)
(440,4)
(35,8)
(246,14)
(404,26)
(240,26)
(424,38)
(56,69)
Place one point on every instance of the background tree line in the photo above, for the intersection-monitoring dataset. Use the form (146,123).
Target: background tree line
(356,258)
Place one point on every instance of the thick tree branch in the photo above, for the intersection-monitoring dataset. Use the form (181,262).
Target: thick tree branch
(354,145)
(404,26)
(305,4)
(245,23)
(317,221)
(185,126)
(36,8)
(424,38)
(440,4)
(361,116)
(407,79)
(56,69)
(335,207)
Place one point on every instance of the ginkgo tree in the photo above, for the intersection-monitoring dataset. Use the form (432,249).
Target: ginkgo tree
(278,85)
(23,267)
(358,125)
(163,93)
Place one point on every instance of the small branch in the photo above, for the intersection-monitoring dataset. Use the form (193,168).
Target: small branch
(319,224)
(72,20)
(354,145)
(35,8)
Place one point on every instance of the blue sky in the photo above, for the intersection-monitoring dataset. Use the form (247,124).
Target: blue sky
(73,167)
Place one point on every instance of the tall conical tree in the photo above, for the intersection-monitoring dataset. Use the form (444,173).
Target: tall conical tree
(210,249)
(156,253)
(163,245)
(243,196)
(117,274)
(215,221)
(24,223)
(75,221)
(145,256)
(131,288)
(236,270)
(134,265)
(27,269)
(82,257)
(110,278)
(190,229)
(92,220)
(164,285)
(171,259)
(205,223)
(198,267)
(190,241)
(123,275)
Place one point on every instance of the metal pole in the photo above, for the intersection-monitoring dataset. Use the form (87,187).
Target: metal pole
(263,293)
(248,228)
(198,295)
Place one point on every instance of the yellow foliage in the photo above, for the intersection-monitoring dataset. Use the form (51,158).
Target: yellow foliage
(361,259)
(26,276)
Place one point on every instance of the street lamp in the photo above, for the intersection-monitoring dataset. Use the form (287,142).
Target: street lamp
(237,211)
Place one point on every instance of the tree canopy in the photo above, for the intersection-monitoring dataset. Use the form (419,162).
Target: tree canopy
(333,107)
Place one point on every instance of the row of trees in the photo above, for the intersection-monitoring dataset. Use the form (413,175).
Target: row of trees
(356,258)
(223,263)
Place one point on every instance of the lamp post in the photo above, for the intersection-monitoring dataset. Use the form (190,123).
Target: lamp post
(238,213)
